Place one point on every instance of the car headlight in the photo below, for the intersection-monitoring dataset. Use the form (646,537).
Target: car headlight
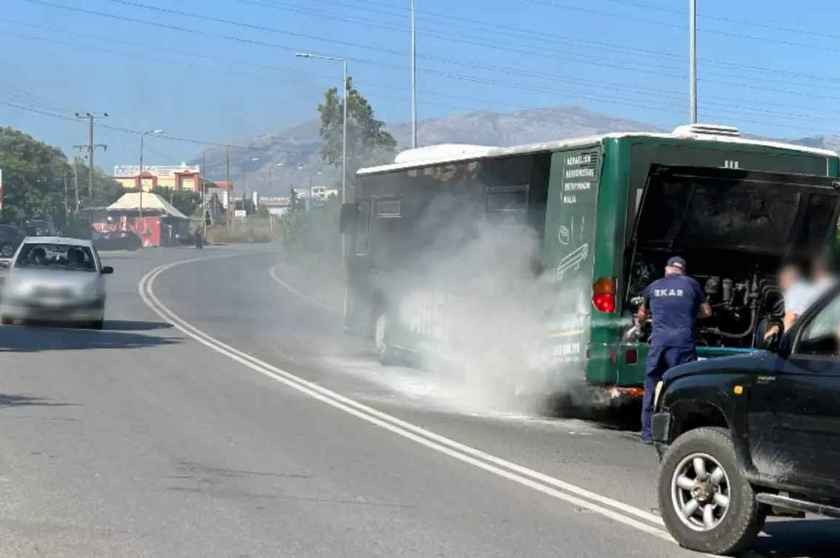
(656,392)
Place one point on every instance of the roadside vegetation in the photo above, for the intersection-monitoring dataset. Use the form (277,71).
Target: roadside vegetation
(39,182)
(311,237)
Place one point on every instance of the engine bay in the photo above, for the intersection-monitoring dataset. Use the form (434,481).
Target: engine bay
(741,289)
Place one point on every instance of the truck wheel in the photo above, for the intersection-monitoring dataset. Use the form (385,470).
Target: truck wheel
(380,338)
(705,501)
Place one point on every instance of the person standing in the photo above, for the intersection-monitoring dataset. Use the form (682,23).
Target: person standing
(673,303)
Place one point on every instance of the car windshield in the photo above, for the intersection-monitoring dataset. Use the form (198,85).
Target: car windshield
(56,256)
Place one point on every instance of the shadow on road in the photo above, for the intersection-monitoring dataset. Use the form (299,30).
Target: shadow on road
(11,400)
(814,538)
(622,418)
(131,325)
(35,339)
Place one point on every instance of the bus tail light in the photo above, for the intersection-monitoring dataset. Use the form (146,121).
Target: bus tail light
(603,295)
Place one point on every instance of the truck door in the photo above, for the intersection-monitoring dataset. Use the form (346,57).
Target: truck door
(794,413)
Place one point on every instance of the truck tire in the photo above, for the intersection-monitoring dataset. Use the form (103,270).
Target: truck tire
(705,501)
(384,352)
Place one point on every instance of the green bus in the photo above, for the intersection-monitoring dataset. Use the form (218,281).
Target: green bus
(605,213)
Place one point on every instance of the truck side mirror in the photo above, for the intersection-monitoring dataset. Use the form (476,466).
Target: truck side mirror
(347,218)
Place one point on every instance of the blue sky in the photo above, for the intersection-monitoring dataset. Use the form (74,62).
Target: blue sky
(224,70)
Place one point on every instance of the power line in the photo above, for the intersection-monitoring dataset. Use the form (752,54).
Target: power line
(461,77)
(263,43)
(742,22)
(586,58)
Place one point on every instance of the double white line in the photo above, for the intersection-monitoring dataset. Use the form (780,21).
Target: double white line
(618,511)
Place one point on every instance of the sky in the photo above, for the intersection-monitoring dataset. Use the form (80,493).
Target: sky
(225,71)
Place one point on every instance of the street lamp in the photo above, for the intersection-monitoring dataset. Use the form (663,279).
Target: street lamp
(140,179)
(345,95)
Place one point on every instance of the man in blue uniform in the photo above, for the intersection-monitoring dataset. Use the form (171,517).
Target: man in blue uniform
(673,303)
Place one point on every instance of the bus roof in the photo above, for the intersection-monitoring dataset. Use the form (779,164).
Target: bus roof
(450,153)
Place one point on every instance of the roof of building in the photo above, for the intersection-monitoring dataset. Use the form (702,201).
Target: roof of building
(151,202)
(450,153)
(128,171)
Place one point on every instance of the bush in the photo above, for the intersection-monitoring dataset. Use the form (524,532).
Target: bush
(253,229)
(312,238)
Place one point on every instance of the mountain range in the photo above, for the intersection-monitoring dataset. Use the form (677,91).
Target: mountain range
(272,163)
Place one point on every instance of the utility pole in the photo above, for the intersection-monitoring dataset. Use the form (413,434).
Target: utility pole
(692,40)
(66,199)
(203,195)
(412,7)
(143,135)
(230,187)
(91,118)
(77,201)
(344,138)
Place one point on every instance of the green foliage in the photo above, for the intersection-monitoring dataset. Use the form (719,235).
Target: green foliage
(314,234)
(76,227)
(106,190)
(34,176)
(367,141)
(185,201)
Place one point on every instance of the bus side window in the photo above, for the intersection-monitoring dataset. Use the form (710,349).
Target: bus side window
(363,228)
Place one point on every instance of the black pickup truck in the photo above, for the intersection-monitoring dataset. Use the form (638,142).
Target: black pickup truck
(743,437)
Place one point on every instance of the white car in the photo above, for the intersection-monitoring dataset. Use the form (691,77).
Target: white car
(55,279)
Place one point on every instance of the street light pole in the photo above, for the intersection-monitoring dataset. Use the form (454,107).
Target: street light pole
(413,8)
(140,180)
(692,40)
(345,95)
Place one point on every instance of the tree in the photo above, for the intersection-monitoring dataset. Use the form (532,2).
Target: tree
(106,190)
(185,201)
(33,177)
(367,140)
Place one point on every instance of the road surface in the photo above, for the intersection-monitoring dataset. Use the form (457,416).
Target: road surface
(222,412)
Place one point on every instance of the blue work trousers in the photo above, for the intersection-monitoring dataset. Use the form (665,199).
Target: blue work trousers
(659,360)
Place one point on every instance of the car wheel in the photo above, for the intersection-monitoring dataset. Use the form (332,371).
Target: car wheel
(705,501)
(384,352)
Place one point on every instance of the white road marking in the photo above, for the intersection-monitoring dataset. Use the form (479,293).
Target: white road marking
(551,486)
(273,273)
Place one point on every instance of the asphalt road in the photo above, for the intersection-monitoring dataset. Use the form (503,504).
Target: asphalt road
(221,413)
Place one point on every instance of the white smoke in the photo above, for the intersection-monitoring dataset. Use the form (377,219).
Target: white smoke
(479,299)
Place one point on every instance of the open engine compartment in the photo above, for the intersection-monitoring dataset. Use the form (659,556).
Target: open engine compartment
(741,288)
(734,228)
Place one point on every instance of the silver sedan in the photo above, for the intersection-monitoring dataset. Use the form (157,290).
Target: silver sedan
(55,279)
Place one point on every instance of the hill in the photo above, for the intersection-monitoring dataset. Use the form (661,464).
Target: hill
(293,155)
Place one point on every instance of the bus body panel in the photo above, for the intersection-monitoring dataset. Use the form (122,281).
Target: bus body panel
(583,199)
(634,158)
(569,254)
